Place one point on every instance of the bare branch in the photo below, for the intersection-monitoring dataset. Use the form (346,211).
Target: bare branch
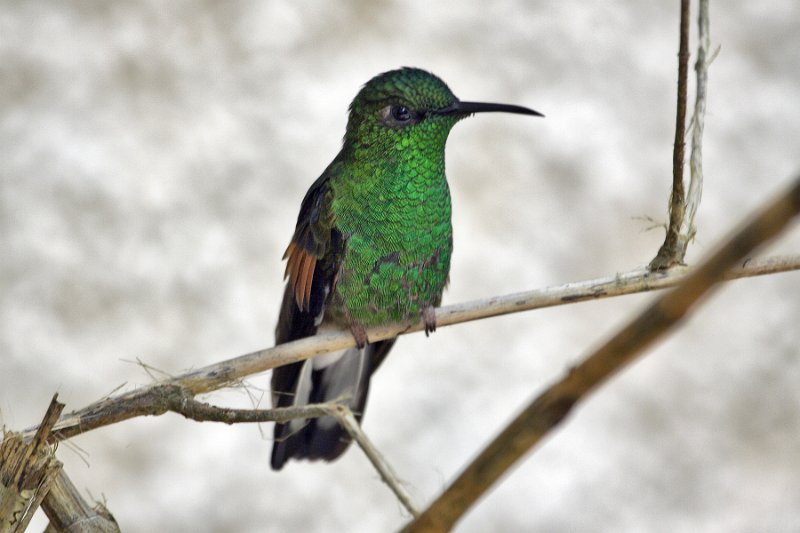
(349,422)
(667,254)
(181,402)
(555,403)
(68,511)
(175,399)
(687,229)
(28,468)
(218,375)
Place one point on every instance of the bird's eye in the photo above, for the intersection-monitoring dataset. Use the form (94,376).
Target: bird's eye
(401,113)
(399,116)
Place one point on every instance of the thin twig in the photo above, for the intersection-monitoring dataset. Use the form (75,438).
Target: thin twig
(179,401)
(552,406)
(667,254)
(218,375)
(687,229)
(345,417)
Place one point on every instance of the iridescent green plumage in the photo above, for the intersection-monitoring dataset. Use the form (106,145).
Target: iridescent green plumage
(392,202)
(372,246)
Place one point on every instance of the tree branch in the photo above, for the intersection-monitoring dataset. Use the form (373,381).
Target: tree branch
(218,375)
(554,404)
(167,397)
(687,229)
(69,512)
(349,422)
(667,254)
(28,469)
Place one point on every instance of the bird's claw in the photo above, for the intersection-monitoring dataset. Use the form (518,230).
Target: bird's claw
(359,334)
(429,317)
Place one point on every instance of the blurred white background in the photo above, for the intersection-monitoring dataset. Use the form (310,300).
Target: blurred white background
(153,156)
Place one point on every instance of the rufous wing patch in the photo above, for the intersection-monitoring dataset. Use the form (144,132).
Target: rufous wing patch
(300,270)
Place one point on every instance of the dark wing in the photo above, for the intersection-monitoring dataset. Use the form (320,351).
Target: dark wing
(314,257)
(314,253)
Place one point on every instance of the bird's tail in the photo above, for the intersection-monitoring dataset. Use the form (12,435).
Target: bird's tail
(341,376)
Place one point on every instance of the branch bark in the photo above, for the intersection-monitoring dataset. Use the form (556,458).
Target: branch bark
(554,404)
(28,469)
(667,255)
(148,400)
(179,401)
(68,512)
(687,229)
(388,476)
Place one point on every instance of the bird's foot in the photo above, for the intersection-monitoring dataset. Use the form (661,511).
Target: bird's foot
(359,334)
(429,317)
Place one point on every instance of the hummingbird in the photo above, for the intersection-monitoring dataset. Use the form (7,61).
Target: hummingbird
(372,246)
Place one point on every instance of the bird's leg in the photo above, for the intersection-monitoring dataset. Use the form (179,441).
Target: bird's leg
(429,317)
(359,334)
(357,329)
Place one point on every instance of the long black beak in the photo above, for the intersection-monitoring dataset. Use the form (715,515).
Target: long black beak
(463,109)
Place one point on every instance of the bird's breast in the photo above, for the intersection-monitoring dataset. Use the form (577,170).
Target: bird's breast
(396,261)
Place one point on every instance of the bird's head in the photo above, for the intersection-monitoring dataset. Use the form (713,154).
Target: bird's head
(408,108)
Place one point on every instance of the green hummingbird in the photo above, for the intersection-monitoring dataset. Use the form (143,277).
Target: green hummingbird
(372,246)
